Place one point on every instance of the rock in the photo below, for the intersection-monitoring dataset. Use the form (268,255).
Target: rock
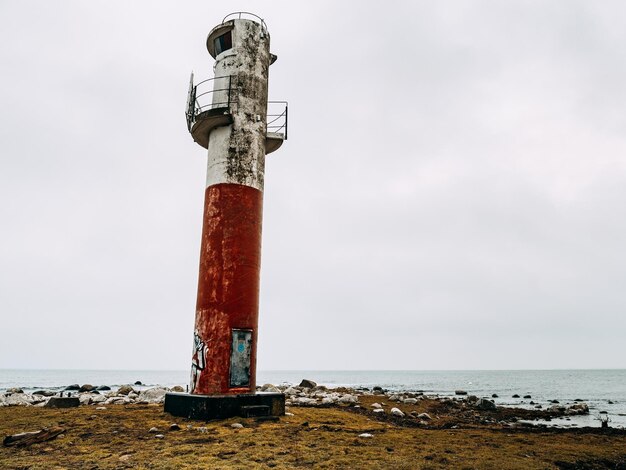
(86,388)
(159,436)
(290,391)
(45,393)
(125,390)
(328,401)
(18,399)
(304,401)
(138,382)
(515,396)
(178,389)
(348,399)
(377,389)
(154,429)
(460,392)
(63,402)
(396,412)
(270,388)
(307,383)
(527,396)
(14,390)
(288,414)
(495,395)
(424,416)
(485,405)
(410,401)
(174,427)
(125,457)
(101,408)
(366,435)
(236,425)
(103,388)
(96,399)
(72,387)
(556,402)
(472,399)
(578,409)
(378,410)
(376,405)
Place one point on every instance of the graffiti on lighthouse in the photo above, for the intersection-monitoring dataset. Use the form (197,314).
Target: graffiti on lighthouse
(198,360)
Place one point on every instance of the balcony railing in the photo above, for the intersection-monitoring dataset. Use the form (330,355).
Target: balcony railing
(216,94)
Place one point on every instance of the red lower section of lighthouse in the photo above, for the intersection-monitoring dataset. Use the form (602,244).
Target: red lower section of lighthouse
(224,350)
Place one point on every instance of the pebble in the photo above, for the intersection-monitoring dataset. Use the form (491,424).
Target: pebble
(101,407)
(288,414)
(153,430)
(366,434)
(174,427)
(159,436)
(236,425)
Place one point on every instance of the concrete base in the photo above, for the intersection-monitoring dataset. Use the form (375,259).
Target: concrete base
(208,407)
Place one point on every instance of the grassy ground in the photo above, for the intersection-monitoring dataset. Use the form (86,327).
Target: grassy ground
(119,437)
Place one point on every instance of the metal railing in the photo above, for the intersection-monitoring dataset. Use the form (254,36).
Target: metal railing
(208,94)
(277,117)
(239,14)
(216,93)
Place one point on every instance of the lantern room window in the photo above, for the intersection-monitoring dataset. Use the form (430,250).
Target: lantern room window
(223,43)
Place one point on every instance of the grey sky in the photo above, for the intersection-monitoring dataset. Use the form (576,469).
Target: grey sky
(451,195)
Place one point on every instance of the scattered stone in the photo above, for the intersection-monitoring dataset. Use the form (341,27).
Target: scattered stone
(45,393)
(396,412)
(515,396)
(270,388)
(236,425)
(151,395)
(125,390)
(527,396)
(86,388)
(377,389)
(460,392)
(153,429)
(348,399)
(376,405)
(554,401)
(366,435)
(378,410)
(288,414)
(485,405)
(495,395)
(72,387)
(174,427)
(125,457)
(138,382)
(472,399)
(159,436)
(103,388)
(424,416)
(410,401)
(14,390)
(178,389)
(62,402)
(101,408)
(307,383)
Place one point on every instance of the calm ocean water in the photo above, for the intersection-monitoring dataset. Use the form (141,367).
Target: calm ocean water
(602,390)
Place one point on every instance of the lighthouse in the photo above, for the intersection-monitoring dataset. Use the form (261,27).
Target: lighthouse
(230,116)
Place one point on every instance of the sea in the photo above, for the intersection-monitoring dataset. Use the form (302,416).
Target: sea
(604,390)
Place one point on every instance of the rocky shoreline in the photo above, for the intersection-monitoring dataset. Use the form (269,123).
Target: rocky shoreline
(412,408)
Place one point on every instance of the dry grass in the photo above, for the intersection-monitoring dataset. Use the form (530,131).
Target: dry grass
(118,438)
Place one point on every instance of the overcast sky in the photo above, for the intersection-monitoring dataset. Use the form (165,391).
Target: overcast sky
(452,194)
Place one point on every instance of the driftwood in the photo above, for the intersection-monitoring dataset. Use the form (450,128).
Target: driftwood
(27,438)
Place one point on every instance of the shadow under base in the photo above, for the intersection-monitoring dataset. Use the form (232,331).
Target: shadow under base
(208,407)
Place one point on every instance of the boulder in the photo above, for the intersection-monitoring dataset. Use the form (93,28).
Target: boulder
(86,388)
(44,393)
(348,399)
(424,416)
(485,405)
(18,399)
(376,405)
(515,396)
(138,382)
(270,388)
(178,388)
(460,392)
(72,387)
(152,395)
(307,383)
(396,412)
(472,399)
(63,402)
(410,401)
(291,391)
(379,410)
(377,389)
(125,390)
(14,390)
(103,388)
(495,395)
(527,396)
